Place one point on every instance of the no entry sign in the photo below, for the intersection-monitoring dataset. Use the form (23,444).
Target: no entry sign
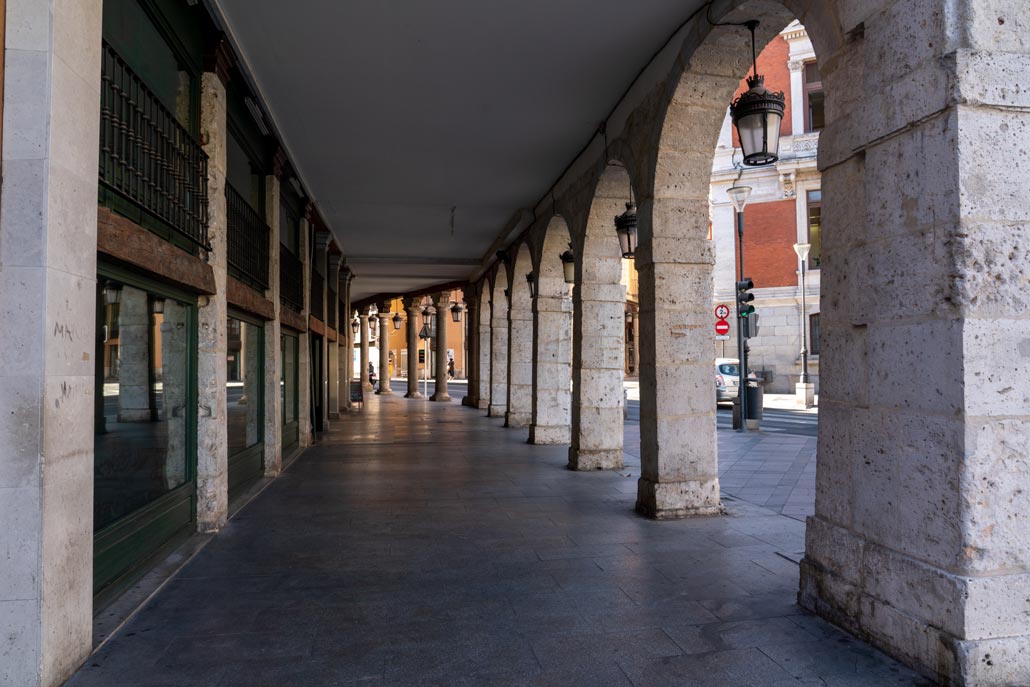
(722,311)
(722,327)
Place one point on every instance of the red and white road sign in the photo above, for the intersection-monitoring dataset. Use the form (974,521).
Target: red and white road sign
(722,311)
(722,327)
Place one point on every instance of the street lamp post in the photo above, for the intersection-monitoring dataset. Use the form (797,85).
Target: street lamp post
(739,196)
(804,391)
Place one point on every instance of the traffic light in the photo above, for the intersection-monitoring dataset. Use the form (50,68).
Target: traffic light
(749,325)
(744,297)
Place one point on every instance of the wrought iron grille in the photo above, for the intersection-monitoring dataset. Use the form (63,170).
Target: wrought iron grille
(317,295)
(146,156)
(248,240)
(291,280)
(330,313)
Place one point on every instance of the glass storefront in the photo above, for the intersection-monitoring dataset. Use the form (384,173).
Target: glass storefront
(244,402)
(144,425)
(288,387)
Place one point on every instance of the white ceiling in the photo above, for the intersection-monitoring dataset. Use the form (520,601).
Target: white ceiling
(396,110)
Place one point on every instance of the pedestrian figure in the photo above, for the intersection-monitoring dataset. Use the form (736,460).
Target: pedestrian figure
(450,368)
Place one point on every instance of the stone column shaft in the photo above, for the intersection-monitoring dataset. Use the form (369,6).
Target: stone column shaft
(364,333)
(484,346)
(384,349)
(520,365)
(471,324)
(443,313)
(499,357)
(552,370)
(48,298)
(212,432)
(304,393)
(412,309)
(273,436)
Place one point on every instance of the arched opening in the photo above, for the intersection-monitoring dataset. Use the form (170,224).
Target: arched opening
(552,343)
(498,343)
(520,342)
(598,338)
(483,345)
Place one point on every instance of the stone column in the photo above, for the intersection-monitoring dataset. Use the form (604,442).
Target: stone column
(347,350)
(364,333)
(384,349)
(48,303)
(252,377)
(412,308)
(484,349)
(797,85)
(678,464)
(442,301)
(304,409)
(920,540)
(597,368)
(333,347)
(273,435)
(471,324)
(212,315)
(499,356)
(520,359)
(134,352)
(552,369)
(321,265)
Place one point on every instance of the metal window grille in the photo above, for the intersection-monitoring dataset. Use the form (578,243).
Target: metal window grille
(291,280)
(146,156)
(330,314)
(317,295)
(247,239)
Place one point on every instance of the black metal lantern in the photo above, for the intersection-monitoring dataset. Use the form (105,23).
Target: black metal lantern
(373,323)
(626,228)
(568,265)
(531,280)
(428,321)
(397,319)
(757,114)
(456,312)
(354,324)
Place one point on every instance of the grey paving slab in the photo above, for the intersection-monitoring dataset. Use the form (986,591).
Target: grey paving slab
(422,545)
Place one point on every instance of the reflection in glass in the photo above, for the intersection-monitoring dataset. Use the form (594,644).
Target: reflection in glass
(243,385)
(289,379)
(140,449)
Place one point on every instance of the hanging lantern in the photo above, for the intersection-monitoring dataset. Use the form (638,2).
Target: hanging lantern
(397,319)
(757,114)
(568,265)
(456,312)
(354,324)
(626,228)
(531,280)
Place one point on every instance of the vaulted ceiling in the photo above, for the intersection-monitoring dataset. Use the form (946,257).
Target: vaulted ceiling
(397,111)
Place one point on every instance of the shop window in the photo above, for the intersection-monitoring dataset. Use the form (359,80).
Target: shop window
(288,389)
(813,334)
(815,228)
(815,118)
(144,426)
(244,396)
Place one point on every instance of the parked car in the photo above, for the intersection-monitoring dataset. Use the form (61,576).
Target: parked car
(727,379)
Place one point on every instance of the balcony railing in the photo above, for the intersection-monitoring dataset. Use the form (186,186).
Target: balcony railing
(330,315)
(291,280)
(248,240)
(146,156)
(317,295)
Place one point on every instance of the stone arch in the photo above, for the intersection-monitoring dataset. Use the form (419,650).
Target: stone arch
(598,334)
(520,340)
(552,343)
(498,405)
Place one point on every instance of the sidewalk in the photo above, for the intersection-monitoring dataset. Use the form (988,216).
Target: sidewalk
(772,401)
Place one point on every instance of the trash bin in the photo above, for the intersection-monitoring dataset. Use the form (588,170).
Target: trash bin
(755,401)
(736,412)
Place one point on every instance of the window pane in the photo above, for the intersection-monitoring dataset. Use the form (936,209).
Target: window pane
(244,363)
(815,228)
(141,431)
(289,379)
(240,174)
(813,333)
(812,73)
(816,115)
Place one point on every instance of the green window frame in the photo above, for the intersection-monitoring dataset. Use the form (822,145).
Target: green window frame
(248,464)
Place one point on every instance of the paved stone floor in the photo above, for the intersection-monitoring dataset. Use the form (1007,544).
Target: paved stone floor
(422,544)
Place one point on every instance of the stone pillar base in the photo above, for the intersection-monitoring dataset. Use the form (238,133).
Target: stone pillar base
(516,420)
(805,395)
(414,394)
(367,387)
(923,615)
(670,500)
(440,397)
(334,416)
(547,435)
(482,404)
(496,411)
(384,392)
(604,459)
(470,401)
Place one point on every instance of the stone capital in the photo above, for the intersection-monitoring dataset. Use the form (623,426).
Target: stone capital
(796,65)
(384,307)
(220,60)
(442,300)
(413,303)
(322,240)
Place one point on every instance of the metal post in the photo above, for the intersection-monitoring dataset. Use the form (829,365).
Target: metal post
(741,343)
(804,328)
